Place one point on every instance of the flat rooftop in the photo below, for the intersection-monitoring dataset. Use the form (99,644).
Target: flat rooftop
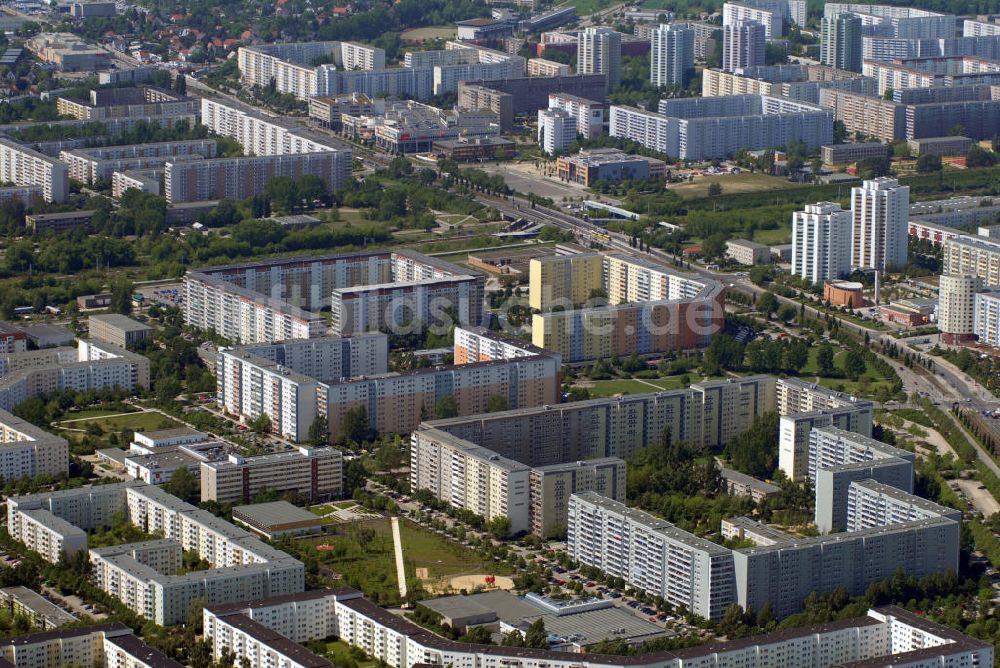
(275,513)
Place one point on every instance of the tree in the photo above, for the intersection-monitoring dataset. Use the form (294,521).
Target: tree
(980,157)
(874,167)
(121,296)
(184,485)
(318,431)
(928,162)
(714,189)
(499,526)
(753,451)
(767,303)
(354,425)
(260,424)
(446,407)
(824,359)
(786,312)
(854,364)
(536,636)
(497,403)
(180,84)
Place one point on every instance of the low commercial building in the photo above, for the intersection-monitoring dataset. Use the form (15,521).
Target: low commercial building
(939,146)
(119,330)
(838,154)
(315,474)
(474,149)
(58,223)
(741,484)
(908,312)
(473,29)
(747,252)
(268,632)
(277,518)
(844,293)
(609,165)
(68,52)
(329,110)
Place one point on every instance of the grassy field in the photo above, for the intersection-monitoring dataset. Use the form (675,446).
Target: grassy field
(428,32)
(111,427)
(135,422)
(732,184)
(363,555)
(781,235)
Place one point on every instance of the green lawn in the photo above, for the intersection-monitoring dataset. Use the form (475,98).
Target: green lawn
(914,415)
(136,422)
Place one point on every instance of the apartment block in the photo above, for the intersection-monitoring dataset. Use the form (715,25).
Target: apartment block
(312,473)
(239,178)
(290,64)
(118,330)
(100,163)
(109,645)
(771,18)
(650,308)
(564,280)
(838,459)
(961,312)
(879,237)
(129,102)
(985,319)
(276,299)
(866,115)
(265,633)
(396,403)
(671,55)
(486,99)
(973,255)
(716,127)
(23,166)
(529,94)
(599,51)
(795,81)
(27,451)
(92,365)
(821,242)
(651,554)
(589,114)
(281,380)
(743,44)
(478,344)
(540,67)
